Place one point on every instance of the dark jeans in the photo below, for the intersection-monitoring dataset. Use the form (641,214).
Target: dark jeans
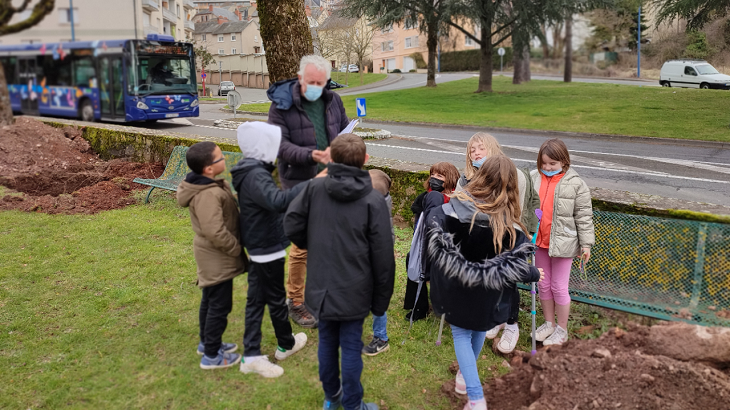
(266,287)
(514,311)
(215,306)
(346,336)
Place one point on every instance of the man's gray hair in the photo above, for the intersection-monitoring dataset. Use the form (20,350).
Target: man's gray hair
(319,62)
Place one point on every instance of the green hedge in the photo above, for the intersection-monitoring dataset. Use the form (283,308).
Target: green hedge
(469,60)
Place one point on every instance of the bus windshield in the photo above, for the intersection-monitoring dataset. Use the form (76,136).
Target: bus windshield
(161,69)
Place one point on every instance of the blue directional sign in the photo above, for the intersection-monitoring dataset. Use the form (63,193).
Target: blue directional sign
(361,111)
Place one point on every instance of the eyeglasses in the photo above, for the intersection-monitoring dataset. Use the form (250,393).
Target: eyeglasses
(219,160)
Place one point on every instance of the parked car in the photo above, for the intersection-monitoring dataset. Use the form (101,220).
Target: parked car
(692,74)
(353,68)
(334,85)
(225,87)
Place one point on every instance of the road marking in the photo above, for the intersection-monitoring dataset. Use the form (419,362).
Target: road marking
(181,121)
(647,173)
(215,128)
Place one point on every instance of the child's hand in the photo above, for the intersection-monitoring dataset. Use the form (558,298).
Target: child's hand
(542,274)
(586,254)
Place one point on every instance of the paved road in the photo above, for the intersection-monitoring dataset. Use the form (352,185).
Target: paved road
(665,168)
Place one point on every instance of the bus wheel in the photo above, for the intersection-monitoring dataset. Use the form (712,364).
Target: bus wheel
(86,112)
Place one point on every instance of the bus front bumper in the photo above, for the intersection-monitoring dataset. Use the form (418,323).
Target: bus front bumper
(146,115)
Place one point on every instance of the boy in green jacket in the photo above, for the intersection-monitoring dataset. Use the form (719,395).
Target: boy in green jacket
(217,249)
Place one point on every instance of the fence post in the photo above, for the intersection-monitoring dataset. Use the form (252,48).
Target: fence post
(699,271)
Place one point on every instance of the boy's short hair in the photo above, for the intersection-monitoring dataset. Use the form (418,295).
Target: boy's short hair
(348,149)
(200,155)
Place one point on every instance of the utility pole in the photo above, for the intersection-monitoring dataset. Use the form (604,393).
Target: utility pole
(638,46)
(134,9)
(71,17)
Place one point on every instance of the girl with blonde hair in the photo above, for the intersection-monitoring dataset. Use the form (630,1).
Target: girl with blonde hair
(477,251)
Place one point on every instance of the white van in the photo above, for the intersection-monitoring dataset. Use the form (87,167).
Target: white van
(692,74)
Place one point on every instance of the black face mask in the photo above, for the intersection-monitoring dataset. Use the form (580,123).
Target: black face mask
(436,184)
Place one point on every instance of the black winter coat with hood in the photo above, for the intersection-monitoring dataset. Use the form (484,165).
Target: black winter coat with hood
(470,282)
(345,226)
(297,131)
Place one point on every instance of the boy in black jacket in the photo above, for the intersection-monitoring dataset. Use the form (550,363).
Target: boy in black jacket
(262,207)
(345,225)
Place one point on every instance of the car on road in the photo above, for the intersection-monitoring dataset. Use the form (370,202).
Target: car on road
(225,87)
(692,74)
(334,85)
(353,68)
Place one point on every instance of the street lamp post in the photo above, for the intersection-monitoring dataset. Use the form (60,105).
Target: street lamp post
(638,46)
(71,17)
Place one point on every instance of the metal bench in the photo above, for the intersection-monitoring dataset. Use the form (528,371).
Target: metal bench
(177,168)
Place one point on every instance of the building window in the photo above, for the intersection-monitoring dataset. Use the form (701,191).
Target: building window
(411,42)
(178,11)
(221,51)
(233,51)
(469,41)
(204,37)
(64,15)
(387,29)
(220,39)
(390,45)
(233,37)
(410,25)
(257,50)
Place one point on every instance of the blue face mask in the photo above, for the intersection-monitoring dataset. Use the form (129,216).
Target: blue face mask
(478,163)
(313,92)
(551,173)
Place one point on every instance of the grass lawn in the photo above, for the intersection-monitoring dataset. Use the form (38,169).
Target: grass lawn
(553,105)
(354,78)
(101,312)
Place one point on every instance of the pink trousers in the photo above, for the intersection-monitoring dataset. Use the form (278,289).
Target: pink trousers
(557,276)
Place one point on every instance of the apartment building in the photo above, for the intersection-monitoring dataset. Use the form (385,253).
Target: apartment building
(108,20)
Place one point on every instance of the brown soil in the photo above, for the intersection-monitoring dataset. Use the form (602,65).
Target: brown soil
(54,171)
(676,366)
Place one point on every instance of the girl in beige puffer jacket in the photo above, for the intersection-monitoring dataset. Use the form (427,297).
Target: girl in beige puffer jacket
(566,231)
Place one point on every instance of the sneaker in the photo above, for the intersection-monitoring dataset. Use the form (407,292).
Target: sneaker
(558,337)
(376,346)
(300,339)
(460,386)
(220,362)
(263,367)
(369,406)
(545,330)
(509,339)
(225,348)
(478,405)
(493,332)
(333,403)
(301,316)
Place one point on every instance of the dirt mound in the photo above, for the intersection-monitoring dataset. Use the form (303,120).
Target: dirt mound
(678,366)
(54,170)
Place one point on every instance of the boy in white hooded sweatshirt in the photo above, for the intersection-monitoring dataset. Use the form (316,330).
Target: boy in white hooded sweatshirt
(263,205)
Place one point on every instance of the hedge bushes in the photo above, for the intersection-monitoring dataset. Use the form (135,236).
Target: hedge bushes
(469,60)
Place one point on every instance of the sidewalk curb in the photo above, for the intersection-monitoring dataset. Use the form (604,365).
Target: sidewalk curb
(547,133)
(387,81)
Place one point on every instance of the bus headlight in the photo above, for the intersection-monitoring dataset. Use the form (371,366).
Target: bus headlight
(194,103)
(142,106)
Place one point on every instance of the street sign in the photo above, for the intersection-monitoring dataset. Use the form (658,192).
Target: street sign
(500,51)
(203,75)
(361,110)
(234,100)
(501,56)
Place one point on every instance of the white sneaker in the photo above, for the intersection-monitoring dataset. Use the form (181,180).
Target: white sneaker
(509,339)
(460,385)
(263,367)
(493,332)
(300,339)
(558,337)
(544,331)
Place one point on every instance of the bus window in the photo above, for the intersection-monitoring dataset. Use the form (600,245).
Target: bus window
(56,72)
(9,67)
(84,72)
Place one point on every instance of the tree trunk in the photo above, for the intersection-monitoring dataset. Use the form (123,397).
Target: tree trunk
(568,74)
(485,66)
(545,46)
(517,63)
(527,73)
(432,42)
(285,35)
(6,112)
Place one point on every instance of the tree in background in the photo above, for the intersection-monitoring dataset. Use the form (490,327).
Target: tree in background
(286,36)
(349,39)
(429,15)
(203,58)
(696,12)
(7,11)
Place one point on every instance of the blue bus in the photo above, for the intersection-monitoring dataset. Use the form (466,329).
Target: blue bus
(113,80)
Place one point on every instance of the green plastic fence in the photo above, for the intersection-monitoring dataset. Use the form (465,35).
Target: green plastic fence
(664,268)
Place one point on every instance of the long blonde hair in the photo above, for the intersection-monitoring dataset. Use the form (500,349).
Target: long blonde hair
(490,144)
(494,191)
